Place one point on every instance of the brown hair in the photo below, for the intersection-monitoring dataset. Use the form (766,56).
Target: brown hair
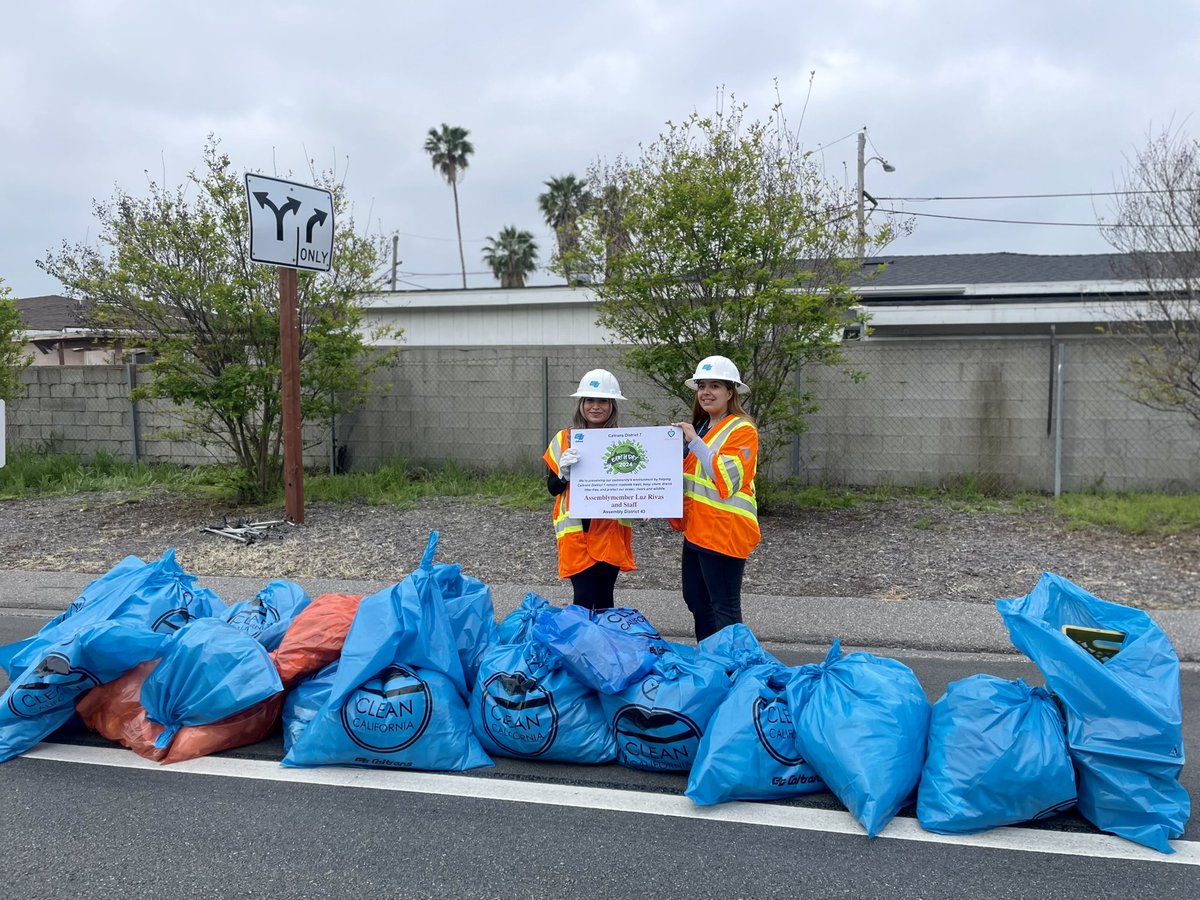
(699,416)
(578,421)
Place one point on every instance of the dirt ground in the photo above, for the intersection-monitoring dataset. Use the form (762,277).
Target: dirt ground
(897,549)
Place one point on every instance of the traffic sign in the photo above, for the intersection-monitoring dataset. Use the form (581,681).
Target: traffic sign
(290,224)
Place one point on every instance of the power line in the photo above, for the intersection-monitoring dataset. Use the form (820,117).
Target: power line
(1036,196)
(453,240)
(447,274)
(901,212)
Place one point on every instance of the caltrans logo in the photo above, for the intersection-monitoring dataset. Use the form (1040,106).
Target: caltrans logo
(624,458)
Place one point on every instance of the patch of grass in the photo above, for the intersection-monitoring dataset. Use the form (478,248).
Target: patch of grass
(29,473)
(1132,513)
(401,483)
(43,471)
(781,497)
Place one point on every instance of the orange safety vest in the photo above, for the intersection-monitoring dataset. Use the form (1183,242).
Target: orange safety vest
(721,513)
(606,540)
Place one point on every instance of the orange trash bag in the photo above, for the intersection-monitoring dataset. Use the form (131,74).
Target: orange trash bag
(115,711)
(315,637)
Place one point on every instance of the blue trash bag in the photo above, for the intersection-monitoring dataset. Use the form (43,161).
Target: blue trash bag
(42,698)
(399,697)
(468,602)
(267,615)
(749,751)
(862,722)
(304,701)
(737,648)
(1124,716)
(659,720)
(997,755)
(626,620)
(605,659)
(158,596)
(527,705)
(209,671)
(517,627)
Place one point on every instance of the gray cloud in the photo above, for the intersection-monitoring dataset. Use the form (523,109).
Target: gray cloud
(964,99)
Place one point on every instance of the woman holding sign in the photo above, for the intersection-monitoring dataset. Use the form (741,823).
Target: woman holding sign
(591,552)
(720,514)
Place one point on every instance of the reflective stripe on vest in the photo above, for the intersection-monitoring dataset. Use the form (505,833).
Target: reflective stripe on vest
(704,489)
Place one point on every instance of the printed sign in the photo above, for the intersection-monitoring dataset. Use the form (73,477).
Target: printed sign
(290,224)
(627,473)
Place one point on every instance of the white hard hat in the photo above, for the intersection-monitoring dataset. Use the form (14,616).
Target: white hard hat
(720,368)
(601,384)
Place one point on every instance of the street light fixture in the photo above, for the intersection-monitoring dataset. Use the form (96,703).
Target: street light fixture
(862,192)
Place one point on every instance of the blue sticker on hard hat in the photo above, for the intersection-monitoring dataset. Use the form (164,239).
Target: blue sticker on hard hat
(594,382)
(706,367)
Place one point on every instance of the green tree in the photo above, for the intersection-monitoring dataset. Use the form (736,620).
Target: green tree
(450,152)
(512,256)
(1156,222)
(173,277)
(12,346)
(726,238)
(562,203)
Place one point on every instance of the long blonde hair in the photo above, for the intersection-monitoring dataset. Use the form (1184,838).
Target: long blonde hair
(699,416)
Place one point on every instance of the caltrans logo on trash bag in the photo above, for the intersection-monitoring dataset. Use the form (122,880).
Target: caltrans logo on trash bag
(388,712)
(655,739)
(519,714)
(773,722)
(53,685)
(624,458)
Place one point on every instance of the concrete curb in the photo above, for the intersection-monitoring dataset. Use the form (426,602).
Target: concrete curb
(949,627)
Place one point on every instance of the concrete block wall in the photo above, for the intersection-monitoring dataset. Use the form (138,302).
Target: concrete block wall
(936,410)
(483,407)
(73,409)
(929,411)
(87,409)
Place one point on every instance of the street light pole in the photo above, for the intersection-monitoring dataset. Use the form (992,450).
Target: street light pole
(861,196)
(862,190)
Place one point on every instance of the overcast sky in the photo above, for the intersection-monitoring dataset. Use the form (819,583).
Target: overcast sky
(963,98)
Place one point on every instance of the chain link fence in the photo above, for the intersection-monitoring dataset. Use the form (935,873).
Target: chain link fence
(1002,414)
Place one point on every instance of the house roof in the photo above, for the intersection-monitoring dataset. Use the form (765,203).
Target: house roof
(997,268)
(52,312)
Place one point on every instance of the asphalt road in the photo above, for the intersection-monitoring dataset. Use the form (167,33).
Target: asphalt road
(522,829)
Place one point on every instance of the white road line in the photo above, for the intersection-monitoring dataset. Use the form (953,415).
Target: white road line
(763,814)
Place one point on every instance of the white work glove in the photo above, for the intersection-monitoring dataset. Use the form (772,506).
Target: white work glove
(569,457)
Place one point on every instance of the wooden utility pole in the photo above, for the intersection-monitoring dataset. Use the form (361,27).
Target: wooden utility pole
(289,359)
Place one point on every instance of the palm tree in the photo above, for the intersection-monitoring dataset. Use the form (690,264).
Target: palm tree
(449,150)
(612,225)
(512,256)
(564,201)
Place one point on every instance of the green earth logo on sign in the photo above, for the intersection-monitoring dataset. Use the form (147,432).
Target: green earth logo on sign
(624,458)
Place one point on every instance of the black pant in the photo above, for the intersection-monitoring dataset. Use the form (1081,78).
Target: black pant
(594,586)
(712,589)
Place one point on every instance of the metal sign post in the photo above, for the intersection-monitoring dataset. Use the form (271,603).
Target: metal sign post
(291,226)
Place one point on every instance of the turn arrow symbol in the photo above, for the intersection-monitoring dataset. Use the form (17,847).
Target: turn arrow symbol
(293,205)
(317,218)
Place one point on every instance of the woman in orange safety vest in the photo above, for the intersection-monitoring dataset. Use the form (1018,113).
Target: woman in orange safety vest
(720,514)
(591,552)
